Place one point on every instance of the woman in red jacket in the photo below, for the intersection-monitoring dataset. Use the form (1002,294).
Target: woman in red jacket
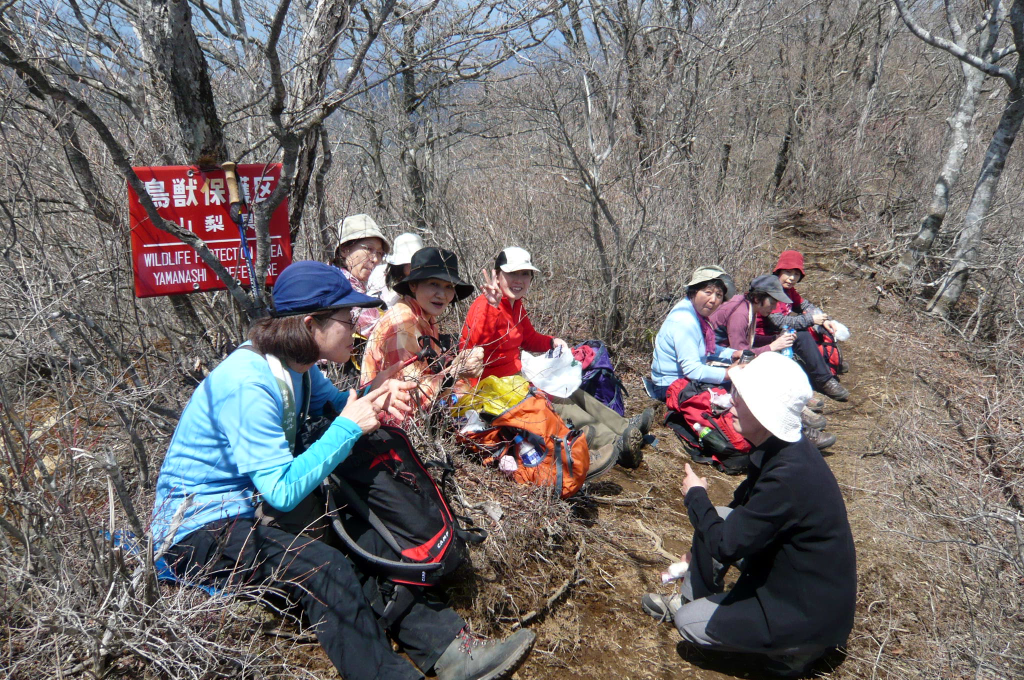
(498,322)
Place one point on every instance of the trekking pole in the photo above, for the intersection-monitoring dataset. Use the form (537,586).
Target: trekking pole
(235,203)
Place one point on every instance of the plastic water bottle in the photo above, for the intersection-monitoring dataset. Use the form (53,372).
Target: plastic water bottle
(709,440)
(787,351)
(528,453)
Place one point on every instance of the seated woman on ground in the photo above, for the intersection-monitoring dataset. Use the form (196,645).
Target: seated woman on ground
(498,325)
(411,325)
(786,531)
(361,247)
(235,441)
(735,324)
(802,316)
(685,346)
(396,267)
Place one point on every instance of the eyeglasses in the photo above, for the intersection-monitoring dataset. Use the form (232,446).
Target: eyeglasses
(343,317)
(373,252)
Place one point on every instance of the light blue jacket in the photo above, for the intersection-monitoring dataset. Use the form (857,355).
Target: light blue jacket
(230,443)
(680,350)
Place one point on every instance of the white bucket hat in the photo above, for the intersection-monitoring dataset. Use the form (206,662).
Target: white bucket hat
(406,246)
(355,227)
(775,389)
(515,260)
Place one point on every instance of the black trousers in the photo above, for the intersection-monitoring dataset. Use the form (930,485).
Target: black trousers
(341,604)
(806,348)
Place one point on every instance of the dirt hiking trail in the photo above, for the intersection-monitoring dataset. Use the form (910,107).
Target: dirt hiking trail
(599,631)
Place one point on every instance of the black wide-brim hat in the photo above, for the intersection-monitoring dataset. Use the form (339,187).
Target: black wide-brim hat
(435,263)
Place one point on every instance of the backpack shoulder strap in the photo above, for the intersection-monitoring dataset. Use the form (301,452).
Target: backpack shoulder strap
(290,419)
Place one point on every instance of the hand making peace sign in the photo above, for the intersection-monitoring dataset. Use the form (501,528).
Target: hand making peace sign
(490,287)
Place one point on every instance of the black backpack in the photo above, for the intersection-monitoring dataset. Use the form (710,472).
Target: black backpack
(391,514)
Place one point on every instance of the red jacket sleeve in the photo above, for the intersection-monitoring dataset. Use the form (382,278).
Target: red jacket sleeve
(479,328)
(532,340)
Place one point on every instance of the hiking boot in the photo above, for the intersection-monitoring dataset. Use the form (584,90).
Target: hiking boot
(629,446)
(833,390)
(470,657)
(815,404)
(661,607)
(811,419)
(643,420)
(843,367)
(822,440)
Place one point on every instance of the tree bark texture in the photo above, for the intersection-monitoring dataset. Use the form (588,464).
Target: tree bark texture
(183,103)
(968,243)
(961,128)
(316,57)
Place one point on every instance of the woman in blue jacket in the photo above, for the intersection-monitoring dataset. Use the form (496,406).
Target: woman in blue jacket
(235,440)
(685,344)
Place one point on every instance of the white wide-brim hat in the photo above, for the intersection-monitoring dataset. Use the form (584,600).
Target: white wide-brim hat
(355,227)
(515,259)
(406,246)
(775,389)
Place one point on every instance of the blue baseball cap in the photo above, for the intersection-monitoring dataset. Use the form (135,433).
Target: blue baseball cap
(308,286)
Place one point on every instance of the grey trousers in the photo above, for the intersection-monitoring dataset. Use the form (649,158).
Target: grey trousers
(588,413)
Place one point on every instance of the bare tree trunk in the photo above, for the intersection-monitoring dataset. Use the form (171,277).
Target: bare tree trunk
(792,124)
(961,128)
(952,284)
(180,78)
(319,44)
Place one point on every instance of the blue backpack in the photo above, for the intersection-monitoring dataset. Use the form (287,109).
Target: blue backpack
(599,377)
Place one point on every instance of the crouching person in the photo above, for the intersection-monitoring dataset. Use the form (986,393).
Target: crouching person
(235,440)
(786,530)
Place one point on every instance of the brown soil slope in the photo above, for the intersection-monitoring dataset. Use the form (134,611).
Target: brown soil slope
(600,630)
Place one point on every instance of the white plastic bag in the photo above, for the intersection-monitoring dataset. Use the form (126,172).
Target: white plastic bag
(555,372)
(842,333)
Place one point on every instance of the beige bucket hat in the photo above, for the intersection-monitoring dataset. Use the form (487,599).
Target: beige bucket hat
(355,227)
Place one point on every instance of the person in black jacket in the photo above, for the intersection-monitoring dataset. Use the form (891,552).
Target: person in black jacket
(786,530)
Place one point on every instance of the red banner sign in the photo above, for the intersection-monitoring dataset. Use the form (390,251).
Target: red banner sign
(197,200)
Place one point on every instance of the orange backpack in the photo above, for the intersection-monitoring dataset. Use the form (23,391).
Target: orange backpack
(565,458)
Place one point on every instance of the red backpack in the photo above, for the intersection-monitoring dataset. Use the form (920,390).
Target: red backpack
(689,405)
(828,348)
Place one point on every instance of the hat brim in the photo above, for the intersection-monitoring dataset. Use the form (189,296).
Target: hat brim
(775,296)
(353,299)
(510,268)
(462,289)
(765,407)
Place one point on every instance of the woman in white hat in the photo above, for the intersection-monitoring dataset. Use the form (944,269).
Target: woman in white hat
(786,530)
(685,343)
(361,247)
(395,268)
(498,323)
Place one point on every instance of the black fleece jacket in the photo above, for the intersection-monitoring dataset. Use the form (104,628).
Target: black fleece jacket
(799,580)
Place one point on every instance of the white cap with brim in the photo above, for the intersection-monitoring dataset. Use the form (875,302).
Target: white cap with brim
(406,246)
(515,259)
(355,227)
(775,390)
